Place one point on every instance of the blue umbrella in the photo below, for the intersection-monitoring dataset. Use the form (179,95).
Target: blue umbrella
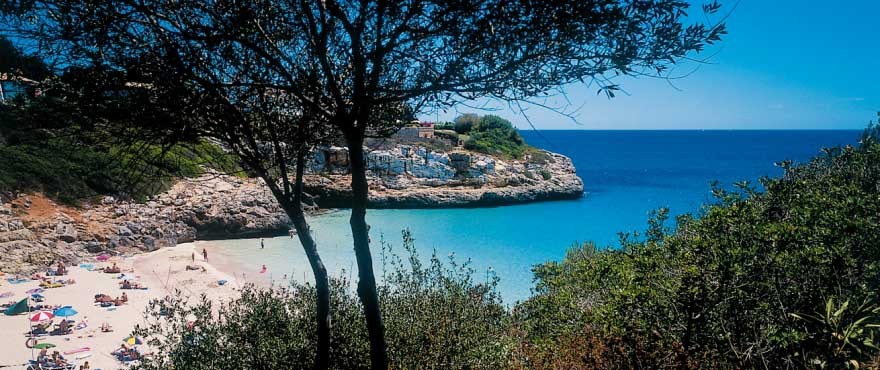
(65,311)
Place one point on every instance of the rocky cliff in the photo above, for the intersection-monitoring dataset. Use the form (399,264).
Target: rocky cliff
(405,176)
(34,231)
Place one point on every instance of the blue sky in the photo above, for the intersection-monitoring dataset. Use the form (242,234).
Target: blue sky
(783,65)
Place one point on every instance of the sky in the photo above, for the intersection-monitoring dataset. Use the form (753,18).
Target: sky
(785,64)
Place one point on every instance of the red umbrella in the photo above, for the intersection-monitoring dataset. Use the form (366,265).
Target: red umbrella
(41,316)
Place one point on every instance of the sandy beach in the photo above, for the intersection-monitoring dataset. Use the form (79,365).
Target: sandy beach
(161,271)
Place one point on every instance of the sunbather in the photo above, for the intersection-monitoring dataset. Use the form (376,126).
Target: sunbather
(100,298)
(127,284)
(112,270)
(58,359)
(84,323)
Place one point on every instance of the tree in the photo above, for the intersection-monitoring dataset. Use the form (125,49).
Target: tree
(351,63)
(465,122)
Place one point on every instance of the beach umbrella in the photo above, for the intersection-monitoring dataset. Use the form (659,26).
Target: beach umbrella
(102,257)
(65,311)
(42,316)
(34,291)
(133,341)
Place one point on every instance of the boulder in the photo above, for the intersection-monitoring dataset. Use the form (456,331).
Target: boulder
(124,231)
(66,232)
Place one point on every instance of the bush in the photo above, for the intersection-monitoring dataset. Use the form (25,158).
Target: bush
(546,175)
(720,291)
(46,148)
(465,122)
(436,316)
(496,136)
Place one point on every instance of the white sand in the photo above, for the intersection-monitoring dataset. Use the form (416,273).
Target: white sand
(162,271)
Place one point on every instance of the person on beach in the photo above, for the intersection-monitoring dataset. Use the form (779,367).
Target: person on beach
(193,256)
(262,244)
(85,366)
(205,254)
(124,297)
(263,270)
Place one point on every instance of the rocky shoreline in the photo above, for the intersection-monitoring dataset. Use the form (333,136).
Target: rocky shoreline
(406,177)
(35,231)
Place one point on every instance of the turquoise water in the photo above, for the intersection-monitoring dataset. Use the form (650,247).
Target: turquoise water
(626,175)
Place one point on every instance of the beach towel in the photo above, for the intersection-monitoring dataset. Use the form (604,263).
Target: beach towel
(17,281)
(78,350)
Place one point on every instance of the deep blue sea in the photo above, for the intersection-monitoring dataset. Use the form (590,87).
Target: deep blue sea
(626,175)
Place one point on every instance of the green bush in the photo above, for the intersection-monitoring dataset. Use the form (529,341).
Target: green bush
(720,291)
(496,136)
(435,314)
(465,122)
(546,175)
(45,147)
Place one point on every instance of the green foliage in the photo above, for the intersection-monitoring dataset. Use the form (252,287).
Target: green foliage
(46,146)
(444,126)
(496,136)
(720,290)
(436,316)
(845,336)
(545,174)
(465,122)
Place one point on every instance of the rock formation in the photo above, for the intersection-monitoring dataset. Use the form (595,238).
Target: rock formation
(34,231)
(405,176)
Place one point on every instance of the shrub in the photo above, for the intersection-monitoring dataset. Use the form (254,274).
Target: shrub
(465,122)
(719,291)
(546,174)
(436,316)
(48,149)
(496,136)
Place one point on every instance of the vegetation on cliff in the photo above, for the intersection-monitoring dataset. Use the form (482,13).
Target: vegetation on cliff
(496,136)
(46,147)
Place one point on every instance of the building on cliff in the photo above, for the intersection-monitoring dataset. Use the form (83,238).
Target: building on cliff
(415,131)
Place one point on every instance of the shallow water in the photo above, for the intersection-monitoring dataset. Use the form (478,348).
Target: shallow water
(626,175)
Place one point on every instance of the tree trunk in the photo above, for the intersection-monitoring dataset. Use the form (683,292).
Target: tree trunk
(294,210)
(322,288)
(367,279)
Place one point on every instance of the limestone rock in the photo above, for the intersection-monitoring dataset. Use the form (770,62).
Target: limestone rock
(66,232)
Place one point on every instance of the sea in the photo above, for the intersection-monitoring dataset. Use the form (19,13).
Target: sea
(626,174)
